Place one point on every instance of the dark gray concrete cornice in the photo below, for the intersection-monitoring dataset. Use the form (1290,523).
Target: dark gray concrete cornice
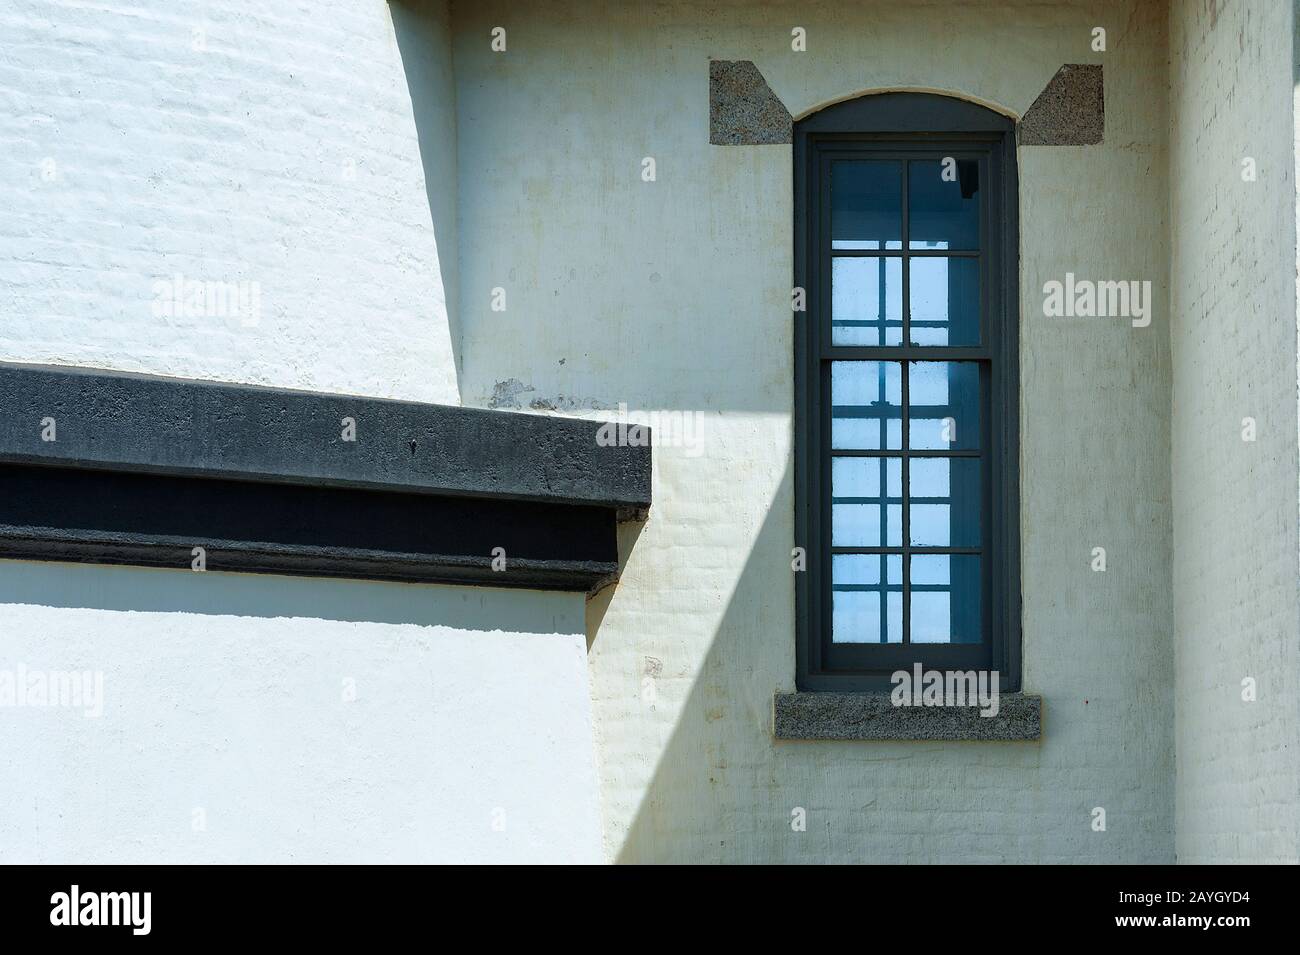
(142,470)
(121,421)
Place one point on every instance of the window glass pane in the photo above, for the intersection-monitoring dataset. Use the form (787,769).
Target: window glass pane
(859,480)
(861,516)
(866,205)
(944,502)
(867,301)
(946,602)
(945,301)
(859,580)
(943,402)
(943,205)
(866,405)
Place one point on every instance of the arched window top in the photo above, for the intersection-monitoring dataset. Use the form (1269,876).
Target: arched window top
(905,113)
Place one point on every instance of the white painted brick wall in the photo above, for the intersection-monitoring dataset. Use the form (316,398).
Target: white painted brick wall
(1236,609)
(230,141)
(675,295)
(470,735)
(228,163)
(259,719)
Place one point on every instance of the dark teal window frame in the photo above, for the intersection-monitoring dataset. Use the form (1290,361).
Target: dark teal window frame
(903,126)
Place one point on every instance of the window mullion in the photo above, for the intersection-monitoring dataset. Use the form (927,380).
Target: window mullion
(906,353)
(903,493)
(907,304)
(905,417)
(882,391)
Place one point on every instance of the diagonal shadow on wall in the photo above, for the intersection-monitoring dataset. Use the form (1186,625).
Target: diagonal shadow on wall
(423,34)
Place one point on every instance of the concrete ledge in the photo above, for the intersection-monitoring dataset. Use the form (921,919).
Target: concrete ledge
(111,420)
(872,716)
(107,467)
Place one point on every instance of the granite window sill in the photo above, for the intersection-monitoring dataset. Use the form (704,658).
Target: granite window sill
(872,716)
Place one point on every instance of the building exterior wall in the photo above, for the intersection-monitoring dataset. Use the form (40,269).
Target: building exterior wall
(258,718)
(423,216)
(275,719)
(1233,330)
(673,296)
(224,141)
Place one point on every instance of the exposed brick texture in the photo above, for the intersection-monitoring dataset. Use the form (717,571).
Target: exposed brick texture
(675,294)
(1236,610)
(223,141)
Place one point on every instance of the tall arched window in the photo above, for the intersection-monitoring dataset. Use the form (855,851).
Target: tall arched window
(906,391)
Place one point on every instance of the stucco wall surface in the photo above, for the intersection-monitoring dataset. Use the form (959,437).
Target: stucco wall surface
(272,719)
(673,295)
(273,148)
(1236,609)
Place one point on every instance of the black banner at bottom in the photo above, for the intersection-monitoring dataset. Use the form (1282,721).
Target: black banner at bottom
(135,905)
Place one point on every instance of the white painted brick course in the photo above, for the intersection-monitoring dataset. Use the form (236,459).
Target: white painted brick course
(675,295)
(218,140)
(1236,607)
